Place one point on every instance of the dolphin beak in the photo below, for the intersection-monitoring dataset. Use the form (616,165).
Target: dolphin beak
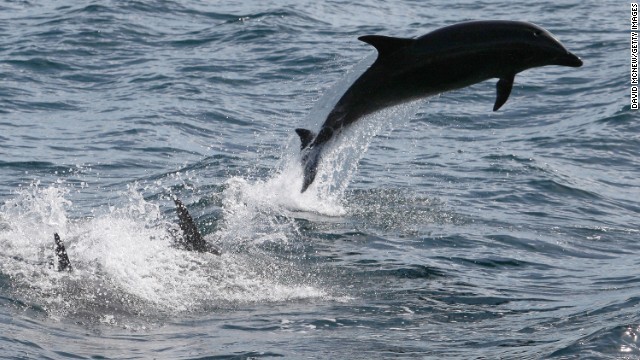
(569,59)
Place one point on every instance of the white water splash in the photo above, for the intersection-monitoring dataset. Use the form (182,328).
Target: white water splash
(123,258)
(124,262)
(280,193)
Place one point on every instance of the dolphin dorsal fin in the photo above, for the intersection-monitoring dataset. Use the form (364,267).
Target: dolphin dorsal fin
(61,254)
(386,45)
(306,136)
(191,238)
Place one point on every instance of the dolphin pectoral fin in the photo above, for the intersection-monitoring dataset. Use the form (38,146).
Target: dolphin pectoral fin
(306,136)
(191,238)
(63,263)
(386,45)
(503,90)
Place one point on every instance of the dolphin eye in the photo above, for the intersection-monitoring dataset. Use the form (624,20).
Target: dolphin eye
(536,33)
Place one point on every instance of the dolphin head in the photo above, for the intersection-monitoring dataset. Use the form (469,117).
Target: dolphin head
(545,49)
(524,45)
(539,47)
(501,49)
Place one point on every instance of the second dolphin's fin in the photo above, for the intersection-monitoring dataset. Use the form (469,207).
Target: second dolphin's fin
(191,238)
(63,263)
(503,90)
(306,137)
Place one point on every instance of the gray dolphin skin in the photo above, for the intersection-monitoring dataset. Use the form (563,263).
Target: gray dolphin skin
(446,59)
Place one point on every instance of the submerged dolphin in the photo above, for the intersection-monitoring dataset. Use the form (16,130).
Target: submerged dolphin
(446,59)
(189,240)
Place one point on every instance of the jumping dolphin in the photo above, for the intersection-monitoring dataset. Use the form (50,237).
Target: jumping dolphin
(446,59)
(189,240)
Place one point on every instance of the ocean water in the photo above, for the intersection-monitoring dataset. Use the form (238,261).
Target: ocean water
(438,229)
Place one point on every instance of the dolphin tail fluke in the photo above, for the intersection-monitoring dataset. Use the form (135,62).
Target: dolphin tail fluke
(310,162)
(310,157)
(63,263)
(503,90)
(306,137)
(191,238)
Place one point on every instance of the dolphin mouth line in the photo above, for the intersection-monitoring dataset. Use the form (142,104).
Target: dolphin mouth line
(573,61)
(570,60)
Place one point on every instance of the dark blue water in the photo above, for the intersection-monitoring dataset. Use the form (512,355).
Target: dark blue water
(436,229)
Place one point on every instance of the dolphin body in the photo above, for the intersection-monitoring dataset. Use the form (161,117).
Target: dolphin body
(446,59)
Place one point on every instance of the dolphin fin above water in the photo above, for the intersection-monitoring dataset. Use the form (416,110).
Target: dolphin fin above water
(503,90)
(191,238)
(386,45)
(62,263)
(306,137)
